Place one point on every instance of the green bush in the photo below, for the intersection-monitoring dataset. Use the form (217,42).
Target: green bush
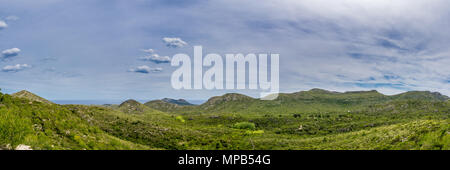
(181,119)
(245,125)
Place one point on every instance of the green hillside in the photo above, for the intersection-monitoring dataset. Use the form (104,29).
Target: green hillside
(133,107)
(44,126)
(315,119)
(163,105)
(422,95)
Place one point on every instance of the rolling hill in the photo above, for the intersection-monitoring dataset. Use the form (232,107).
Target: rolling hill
(421,95)
(168,104)
(30,96)
(133,107)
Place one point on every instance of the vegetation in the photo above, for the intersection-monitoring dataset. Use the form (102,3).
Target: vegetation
(44,126)
(245,125)
(133,107)
(315,119)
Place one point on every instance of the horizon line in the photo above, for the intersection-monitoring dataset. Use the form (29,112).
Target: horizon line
(124,99)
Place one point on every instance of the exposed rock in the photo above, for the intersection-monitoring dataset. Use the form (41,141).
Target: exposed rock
(5,147)
(23,147)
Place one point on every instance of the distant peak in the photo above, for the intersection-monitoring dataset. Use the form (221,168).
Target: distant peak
(422,95)
(177,102)
(235,96)
(132,107)
(130,101)
(370,91)
(228,97)
(319,90)
(30,96)
(24,92)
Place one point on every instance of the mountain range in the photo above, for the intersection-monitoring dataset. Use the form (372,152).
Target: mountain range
(315,99)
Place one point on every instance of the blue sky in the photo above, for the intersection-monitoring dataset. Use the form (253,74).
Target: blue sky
(70,49)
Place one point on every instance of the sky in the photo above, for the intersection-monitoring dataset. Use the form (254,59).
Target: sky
(121,49)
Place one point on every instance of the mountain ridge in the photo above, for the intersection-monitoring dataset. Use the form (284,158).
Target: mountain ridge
(308,98)
(241,101)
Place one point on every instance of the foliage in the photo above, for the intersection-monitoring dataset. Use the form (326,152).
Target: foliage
(245,125)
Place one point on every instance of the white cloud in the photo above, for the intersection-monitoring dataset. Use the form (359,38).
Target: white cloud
(174,42)
(3,25)
(15,68)
(8,53)
(151,51)
(156,59)
(145,69)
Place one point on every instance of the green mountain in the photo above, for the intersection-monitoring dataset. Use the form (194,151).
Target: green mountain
(230,97)
(168,104)
(219,102)
(30,96)
(180,102)
(212,105)
(422,95)
(162,105)
(133,107)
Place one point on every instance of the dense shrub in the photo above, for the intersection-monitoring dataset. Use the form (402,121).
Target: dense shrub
(245,125)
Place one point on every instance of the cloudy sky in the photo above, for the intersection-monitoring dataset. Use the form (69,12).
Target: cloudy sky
(120,49)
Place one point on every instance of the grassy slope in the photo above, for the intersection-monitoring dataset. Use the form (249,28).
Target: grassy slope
(152,128)
(49,126)
(281,130)
(134,107)
(421,134)
(284,128)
